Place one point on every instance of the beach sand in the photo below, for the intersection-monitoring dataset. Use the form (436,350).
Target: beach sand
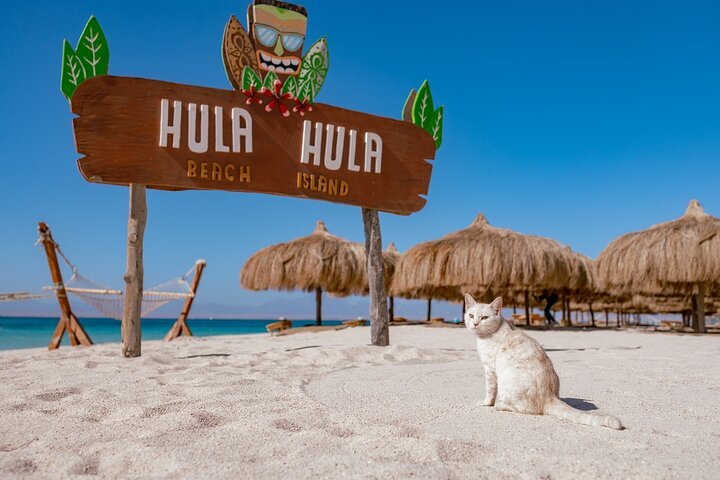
(327,405)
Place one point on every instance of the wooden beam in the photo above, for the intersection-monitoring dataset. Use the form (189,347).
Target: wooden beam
(180,327)
(379,330)
(68,321)
(132,307)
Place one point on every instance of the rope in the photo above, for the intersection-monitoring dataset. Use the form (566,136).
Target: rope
(57,248)
(45,237)
(15,297)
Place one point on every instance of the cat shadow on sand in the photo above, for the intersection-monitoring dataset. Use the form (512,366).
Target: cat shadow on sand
(519,376)
(580,404)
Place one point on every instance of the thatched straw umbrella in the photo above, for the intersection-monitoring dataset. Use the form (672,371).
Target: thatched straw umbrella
(484,260)
(681,257)
(319,262)
(581,286)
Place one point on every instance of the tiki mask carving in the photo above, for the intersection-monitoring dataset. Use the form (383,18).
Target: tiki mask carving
(271,50)
(277,30)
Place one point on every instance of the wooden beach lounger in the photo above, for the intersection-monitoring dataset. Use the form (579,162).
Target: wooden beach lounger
(278,326)
(535,319)
(355,323)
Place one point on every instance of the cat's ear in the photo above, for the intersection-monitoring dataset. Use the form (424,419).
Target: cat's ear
(469,301)
(496,306)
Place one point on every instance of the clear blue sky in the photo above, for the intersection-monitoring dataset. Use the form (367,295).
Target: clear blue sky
(578,121)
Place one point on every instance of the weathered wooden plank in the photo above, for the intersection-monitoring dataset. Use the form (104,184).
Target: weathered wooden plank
(119,132)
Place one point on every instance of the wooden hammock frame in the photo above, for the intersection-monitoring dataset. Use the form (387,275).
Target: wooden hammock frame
(180,327)
(69,322)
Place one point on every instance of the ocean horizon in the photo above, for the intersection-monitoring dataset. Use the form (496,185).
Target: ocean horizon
(33,332)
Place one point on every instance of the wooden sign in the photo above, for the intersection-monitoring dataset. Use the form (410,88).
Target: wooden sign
(266,136)
(176,137)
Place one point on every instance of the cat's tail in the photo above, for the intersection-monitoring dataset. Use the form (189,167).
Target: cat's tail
(561,409)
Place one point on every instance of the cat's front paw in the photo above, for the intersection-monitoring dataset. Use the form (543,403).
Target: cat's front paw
(488,402)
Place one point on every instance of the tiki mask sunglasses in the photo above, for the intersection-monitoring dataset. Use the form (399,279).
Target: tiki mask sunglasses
(268,37)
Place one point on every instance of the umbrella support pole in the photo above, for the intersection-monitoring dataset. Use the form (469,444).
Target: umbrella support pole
(429,310)
(132,305)
(700,312)
(565,320)
(527,308)
(318,306)
(379,330)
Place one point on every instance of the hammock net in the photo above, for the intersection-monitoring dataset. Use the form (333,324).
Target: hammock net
(108,301)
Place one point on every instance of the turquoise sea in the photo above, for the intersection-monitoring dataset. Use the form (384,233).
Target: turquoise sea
(31,332)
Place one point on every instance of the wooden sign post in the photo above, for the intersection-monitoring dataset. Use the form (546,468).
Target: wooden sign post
(266,136)
(131,333)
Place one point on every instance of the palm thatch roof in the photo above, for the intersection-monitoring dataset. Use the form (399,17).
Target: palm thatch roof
(582,285)
(318,261)
(482,259)
(361,286)
(669,258)
(391,256)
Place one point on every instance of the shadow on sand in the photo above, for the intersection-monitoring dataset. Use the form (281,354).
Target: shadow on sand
(580,404)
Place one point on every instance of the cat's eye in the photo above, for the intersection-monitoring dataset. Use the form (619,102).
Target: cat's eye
(484,318)
(471,316)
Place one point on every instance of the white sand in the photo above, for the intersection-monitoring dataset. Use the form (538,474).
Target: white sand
(326,405)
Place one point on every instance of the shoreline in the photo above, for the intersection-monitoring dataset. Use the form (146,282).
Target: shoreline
(311,328)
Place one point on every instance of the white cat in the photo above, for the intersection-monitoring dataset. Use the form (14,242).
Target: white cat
(519,376)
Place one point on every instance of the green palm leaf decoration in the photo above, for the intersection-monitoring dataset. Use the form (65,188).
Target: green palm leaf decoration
(270,80)
(419,109)
(250,78)
(90,58)
(72,74)
(290,86)
(93,49)
(313,70)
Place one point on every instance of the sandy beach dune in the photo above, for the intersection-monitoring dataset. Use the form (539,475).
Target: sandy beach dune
(326,405)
